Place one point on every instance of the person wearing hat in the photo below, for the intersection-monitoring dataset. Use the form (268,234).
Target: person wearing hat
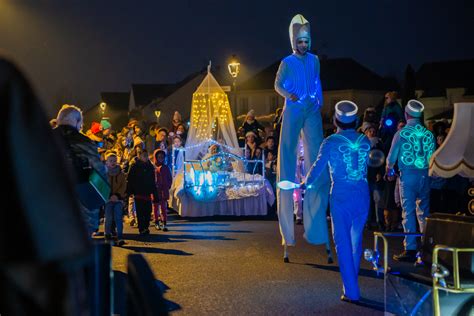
(412,147)
(346,153)
(298,81)
(251,124)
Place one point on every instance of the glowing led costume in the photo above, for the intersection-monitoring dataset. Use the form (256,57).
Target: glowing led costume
(412,147)
(299,75)
(346,154)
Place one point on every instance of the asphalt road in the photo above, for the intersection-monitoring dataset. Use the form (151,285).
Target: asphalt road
(234,266)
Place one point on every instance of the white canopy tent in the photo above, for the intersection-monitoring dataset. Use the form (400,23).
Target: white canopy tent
(211,120)
(456,154)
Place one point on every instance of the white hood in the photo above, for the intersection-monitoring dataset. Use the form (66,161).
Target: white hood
(299,27)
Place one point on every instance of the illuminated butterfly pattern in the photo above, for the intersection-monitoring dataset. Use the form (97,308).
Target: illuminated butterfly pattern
(418,148)
(354,156)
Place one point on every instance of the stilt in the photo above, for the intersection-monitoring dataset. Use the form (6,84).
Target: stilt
(329,253)
(285,254)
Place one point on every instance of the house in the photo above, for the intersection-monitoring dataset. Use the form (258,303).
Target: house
(116,109)
(441,84)
(180,97)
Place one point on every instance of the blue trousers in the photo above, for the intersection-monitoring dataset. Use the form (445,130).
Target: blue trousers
(349,205)
(114,213)
(414,187)
(297,118)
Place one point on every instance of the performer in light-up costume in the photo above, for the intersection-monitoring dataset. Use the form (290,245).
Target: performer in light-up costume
(346,154)
(298,82)
(412,146)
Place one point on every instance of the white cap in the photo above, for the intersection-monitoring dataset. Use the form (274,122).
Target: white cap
(414,108)
(299,28)
(346,111)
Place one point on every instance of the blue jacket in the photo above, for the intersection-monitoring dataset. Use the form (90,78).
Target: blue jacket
(346,153)
(412,146)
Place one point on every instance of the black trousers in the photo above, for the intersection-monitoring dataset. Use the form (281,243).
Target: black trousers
(143,209)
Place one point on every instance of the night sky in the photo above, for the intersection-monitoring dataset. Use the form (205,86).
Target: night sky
(76,49)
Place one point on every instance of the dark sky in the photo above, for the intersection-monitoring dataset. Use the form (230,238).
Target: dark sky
(79,48)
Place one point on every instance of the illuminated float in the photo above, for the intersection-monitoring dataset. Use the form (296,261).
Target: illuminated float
(215,178)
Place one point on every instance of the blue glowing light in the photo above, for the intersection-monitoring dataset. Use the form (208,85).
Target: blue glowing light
(418,148)
(287,185)
(354,155)
(388,122)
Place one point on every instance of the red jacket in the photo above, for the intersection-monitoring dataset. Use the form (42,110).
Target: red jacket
(163,181)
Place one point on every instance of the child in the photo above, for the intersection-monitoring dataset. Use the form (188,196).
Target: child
(141,183)
(163,181)
(114,207)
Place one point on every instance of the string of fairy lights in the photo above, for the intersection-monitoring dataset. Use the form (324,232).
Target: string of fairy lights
(207,108)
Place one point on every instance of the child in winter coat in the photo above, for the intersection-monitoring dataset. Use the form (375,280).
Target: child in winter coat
(163,181)
(114,207)
(141,183)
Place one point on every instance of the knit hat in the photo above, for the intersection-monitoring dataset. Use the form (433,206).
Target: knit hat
(95,127)
(414,108)
(299,28)
(132,123)
(163,129)
(346,111)
(251,133)
(105,124)
(110,153)
(366,125)
(177,116)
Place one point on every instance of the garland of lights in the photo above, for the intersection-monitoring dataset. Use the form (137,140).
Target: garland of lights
(348,150)
(202,102)
(419,147)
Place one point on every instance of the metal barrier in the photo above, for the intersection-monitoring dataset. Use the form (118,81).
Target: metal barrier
(439,273)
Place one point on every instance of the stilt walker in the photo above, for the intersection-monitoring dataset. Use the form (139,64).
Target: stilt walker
(346,153)
(298,82)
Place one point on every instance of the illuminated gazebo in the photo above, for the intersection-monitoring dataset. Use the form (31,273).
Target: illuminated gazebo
(211,120)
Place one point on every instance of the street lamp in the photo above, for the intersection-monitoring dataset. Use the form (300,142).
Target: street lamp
(157,114)
(102,106)
(234,70)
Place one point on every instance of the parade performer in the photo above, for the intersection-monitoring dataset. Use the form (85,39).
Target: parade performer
(412,147)
(346,154)
(298,82)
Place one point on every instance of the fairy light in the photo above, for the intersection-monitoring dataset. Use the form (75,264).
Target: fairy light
(209,108)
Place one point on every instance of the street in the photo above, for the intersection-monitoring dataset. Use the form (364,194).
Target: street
(235,267)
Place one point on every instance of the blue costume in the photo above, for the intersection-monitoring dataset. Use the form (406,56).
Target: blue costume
(298,75)
(346,154)
(412,147)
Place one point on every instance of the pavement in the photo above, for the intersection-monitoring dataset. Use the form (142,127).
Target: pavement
(234,266)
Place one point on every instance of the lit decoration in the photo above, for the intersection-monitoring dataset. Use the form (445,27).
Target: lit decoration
(102,106)
(234,69)
(419,147)
(388,122)
(205,183)
(356,169)
(211,120)
(288,185)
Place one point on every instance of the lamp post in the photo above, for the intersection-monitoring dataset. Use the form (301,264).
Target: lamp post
(102,106)
(234,70)
(157,114)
